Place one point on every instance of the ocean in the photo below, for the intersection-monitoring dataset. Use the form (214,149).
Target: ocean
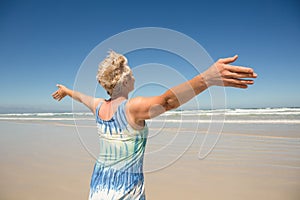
(236,116)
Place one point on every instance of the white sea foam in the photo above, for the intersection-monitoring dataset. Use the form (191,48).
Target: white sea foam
(42,119)
(233,112)
(245,116)
(230,121)
(44,114)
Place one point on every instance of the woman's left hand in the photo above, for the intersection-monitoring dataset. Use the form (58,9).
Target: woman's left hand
(222,73)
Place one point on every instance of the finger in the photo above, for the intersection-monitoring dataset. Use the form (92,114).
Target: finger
(238,86)
(239,69)
(228,60)
(247,81)
(56,96)
(231,84)
(240,75)
(239,81)
(54,93)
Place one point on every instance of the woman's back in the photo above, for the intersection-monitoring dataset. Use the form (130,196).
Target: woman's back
(118,172)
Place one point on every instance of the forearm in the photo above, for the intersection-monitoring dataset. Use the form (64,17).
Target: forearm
(184,92)
(74,94)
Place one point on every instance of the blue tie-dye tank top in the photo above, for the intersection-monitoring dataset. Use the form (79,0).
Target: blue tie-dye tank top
(118,172)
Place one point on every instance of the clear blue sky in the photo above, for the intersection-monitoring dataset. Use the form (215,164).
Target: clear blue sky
(44,42)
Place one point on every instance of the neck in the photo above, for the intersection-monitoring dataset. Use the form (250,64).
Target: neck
(119,97)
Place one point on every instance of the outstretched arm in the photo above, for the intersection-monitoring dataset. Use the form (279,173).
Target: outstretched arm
(219,74)
(88,101)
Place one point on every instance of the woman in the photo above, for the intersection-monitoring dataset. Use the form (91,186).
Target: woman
(118,172)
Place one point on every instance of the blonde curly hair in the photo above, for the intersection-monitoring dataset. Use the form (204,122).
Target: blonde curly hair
(112,72)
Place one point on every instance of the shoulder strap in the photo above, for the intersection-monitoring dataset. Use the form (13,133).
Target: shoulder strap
(121,108)
(121,116)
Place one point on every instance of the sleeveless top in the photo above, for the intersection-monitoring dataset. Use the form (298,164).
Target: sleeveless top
(118,172)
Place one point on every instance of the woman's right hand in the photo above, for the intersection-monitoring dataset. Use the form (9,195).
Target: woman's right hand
(60,93)
(222,73)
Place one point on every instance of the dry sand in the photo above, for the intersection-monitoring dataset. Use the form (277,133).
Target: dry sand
(46,161)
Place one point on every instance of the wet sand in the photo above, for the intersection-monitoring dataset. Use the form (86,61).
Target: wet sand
(47,161)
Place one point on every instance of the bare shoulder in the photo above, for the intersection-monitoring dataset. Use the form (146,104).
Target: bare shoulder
(98,100)
(136,104)
(134,101)
(142,103)
(141,108)
(96,103)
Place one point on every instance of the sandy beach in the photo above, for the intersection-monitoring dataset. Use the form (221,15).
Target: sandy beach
(46,160)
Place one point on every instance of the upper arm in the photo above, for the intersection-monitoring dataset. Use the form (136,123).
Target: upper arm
(141,108)
(91,102)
